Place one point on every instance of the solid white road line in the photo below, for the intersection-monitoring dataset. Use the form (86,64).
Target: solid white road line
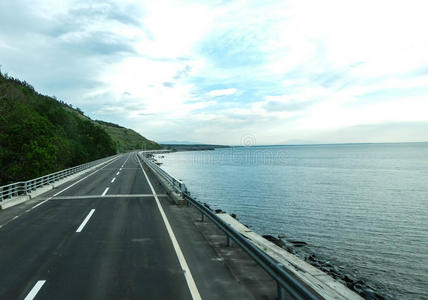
(187,274)
(105,192)
(36,288)
(85,220)
(113,179)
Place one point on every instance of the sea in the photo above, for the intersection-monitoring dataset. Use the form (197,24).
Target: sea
(360,207)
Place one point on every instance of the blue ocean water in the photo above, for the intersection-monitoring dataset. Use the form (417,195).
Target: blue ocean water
(363,207)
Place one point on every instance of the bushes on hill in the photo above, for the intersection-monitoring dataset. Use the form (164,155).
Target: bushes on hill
(40,135)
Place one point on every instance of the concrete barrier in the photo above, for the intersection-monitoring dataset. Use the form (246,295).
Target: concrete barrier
(13,201)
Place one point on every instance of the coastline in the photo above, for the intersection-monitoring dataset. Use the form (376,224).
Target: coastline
(192,147)
(302,250)
(328,203)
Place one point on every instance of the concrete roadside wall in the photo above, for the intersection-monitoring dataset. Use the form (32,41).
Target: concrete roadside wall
(326,286)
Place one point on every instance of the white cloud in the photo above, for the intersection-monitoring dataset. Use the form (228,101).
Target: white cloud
(171,29)
(222,92)
(296,67)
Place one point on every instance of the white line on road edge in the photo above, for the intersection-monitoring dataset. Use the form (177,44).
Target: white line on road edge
(187,274)
(85,220)
(113,179)
(105,192)
(36,288)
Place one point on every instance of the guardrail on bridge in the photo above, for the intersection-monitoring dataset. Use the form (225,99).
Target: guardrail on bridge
(25,188)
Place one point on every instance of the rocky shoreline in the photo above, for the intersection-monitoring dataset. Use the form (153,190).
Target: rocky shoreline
(302,250)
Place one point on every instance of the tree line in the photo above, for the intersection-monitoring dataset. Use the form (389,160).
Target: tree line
(40,135)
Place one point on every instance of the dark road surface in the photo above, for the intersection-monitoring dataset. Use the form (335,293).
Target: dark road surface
(106,237)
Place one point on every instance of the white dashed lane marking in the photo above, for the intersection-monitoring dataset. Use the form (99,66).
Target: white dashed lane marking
(36,288)
(85,220)
(105,192)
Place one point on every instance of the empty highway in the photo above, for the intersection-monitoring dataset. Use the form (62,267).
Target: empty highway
(108,235)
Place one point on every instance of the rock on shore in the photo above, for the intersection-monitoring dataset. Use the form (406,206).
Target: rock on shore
(300,249)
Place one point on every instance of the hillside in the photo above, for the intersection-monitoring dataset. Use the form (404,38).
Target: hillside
(127,139)
(40,135)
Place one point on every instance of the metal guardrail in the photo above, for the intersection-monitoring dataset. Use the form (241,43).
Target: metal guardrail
(284,280)
(24,188)
(177,185)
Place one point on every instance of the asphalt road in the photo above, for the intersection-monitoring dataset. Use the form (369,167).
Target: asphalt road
(107,237)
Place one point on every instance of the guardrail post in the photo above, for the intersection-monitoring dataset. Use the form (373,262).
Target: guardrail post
(202,217)
(182,188)
(15,190)
(228,241)
(281,292)
(280,289)
(25,188)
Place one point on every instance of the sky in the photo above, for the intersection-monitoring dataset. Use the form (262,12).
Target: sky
(230,72)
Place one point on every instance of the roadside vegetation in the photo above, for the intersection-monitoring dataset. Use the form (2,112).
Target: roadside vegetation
(40,134)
